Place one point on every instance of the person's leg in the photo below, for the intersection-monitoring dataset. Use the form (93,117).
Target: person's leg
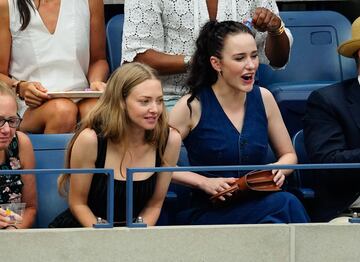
(85,105)
(54,116)
(279,207)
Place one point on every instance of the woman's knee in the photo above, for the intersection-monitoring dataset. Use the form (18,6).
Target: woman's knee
(61,115)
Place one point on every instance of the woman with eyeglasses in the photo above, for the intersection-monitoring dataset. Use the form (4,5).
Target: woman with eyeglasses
(16,152)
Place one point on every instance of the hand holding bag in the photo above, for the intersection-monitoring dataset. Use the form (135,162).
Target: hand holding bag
(262,180)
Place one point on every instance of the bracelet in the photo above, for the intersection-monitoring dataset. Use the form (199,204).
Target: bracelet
(16,86)
(278,31)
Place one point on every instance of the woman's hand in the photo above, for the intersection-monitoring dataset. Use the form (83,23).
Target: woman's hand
(9,221)
(33,93)
(97,86)
(212,186)
(265,20)
(279,177)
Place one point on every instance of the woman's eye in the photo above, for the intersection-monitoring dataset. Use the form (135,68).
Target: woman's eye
(144,102)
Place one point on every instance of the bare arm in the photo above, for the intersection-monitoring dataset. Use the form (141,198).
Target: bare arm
(152,210)
(29,196)
(164,63)
(83,155)
(98,69)
(278,134)
(5,39)
(277,47)
(148,48)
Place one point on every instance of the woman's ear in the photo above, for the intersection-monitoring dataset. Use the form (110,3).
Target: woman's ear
(215,63)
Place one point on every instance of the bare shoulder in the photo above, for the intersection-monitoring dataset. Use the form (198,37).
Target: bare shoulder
(268,98)
(182,109)
(174,137)
(24,140)
(266,94)
(87,139)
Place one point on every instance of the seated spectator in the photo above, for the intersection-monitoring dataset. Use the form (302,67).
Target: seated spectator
(162,34)
(227,120)
(331,132)
(16,153)
(127,128)
(52,46)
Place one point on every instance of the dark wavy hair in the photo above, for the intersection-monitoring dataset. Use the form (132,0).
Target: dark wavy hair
(210,43)
(24,8)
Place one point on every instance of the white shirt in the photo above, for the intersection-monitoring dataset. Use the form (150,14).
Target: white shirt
(172,26)
(59,61)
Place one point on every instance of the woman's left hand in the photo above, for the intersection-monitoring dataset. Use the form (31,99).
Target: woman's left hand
(279,178)
(97,86)
(265,20)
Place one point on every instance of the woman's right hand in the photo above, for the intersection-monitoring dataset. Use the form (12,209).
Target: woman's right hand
(33,93)
(212,186)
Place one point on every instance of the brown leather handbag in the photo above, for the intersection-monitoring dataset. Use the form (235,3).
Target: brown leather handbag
(262,180)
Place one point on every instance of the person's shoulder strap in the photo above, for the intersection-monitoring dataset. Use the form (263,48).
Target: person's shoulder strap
(101,151)
(13,148)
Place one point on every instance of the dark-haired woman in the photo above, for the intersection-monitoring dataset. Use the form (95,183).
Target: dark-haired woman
(52,45)
(227,120)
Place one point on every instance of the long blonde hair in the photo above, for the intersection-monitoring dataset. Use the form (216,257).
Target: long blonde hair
(109,116)
(6,91)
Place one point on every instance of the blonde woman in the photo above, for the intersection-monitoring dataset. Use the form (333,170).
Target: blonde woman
(127,128)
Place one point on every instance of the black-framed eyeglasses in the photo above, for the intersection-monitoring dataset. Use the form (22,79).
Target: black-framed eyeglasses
(13,122)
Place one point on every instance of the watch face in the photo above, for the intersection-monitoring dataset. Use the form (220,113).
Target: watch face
(14,84)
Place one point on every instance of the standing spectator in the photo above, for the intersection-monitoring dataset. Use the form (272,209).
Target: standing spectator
(162,34)
(52,45)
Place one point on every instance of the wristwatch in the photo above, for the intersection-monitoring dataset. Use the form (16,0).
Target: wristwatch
(16,87)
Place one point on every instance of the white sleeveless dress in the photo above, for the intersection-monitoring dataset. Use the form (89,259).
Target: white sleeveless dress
(59,61)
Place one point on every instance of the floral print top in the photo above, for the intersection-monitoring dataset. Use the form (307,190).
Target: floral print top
(11,185)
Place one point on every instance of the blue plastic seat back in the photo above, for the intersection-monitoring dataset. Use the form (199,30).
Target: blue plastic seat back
(314,62)
(301,182)
(314,56)
(50,152)
(114,31)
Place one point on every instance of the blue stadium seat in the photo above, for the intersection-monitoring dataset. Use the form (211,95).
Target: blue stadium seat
(314,62)
(114,30)
(49,154)
(301,181)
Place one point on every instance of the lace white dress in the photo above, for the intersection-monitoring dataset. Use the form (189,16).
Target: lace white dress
(172,26)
